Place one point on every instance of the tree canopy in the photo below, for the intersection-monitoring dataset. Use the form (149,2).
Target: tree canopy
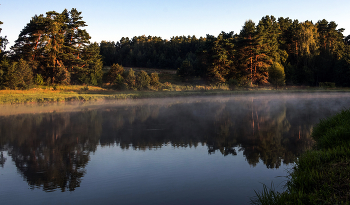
(58,48)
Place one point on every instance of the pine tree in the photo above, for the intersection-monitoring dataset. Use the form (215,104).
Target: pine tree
(75,41)
(57,48)
(91,71)
(220,51)
(40,43)
(268,33)
(247,52)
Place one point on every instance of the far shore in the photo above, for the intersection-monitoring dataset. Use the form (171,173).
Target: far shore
(93,93)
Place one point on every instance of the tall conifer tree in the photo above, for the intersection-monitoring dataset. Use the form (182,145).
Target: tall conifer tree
(247,52)
(55,44)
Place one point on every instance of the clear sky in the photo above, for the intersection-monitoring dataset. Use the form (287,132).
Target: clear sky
(111,20)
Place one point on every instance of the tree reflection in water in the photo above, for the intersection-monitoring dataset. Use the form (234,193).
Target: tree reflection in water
(52,150)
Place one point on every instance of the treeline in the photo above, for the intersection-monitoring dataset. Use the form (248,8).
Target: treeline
(55,49)
(151,52)
(274,50)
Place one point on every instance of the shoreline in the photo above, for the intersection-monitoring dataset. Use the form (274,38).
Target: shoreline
(48,96)
(321,175)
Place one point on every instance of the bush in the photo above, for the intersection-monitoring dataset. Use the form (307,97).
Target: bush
(155,80)
(167,86)
(119,83)
(276,75)
(326,84)
(143,81)
(38,79)
(112,74)
(19,75)
(130,79)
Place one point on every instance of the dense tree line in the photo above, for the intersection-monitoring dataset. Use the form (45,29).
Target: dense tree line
(150,52)
(273,51)
(55,49)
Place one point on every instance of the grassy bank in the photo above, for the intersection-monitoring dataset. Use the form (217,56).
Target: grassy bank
(43,94)
(321,176)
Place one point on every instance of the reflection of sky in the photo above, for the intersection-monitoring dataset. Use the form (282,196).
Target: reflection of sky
(112,20)
(159,176)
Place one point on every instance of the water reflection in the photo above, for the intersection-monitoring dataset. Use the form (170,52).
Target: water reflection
(51,150)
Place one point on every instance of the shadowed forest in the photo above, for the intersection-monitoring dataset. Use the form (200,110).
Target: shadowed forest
(265,130)
(55,49)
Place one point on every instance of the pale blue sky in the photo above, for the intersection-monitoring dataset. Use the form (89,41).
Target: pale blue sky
(111,20)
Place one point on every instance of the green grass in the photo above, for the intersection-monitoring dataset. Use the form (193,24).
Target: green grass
(322,175)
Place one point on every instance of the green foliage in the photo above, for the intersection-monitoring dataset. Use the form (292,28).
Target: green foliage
(276,75)
(56,46)
(119,82)
(62,76)
(186,69)
(38,80)
(93,64)
(112,74)
(19,75)
(130,79)
(60,49)
(151,51)
(143,81)
(234,83)
(4,65)
(334,131)
(3,43)
(326,84)
(220,52)
(155,80)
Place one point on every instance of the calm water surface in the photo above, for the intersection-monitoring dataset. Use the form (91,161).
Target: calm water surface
(165,151)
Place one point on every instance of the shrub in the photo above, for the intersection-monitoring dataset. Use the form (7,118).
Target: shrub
(167,86)
(19,75)
(276,75)
(142,80)
(326,84)
(130,79)
(155,80)
(38,79)
(112,74)
(119,83)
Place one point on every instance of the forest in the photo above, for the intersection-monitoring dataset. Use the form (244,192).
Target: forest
(55,49)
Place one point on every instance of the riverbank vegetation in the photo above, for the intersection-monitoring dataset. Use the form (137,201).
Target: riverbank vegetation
(54,49)
(320,176)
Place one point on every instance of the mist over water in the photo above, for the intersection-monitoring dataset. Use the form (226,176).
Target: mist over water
(160,151)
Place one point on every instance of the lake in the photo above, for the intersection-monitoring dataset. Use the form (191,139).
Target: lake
(198,150)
